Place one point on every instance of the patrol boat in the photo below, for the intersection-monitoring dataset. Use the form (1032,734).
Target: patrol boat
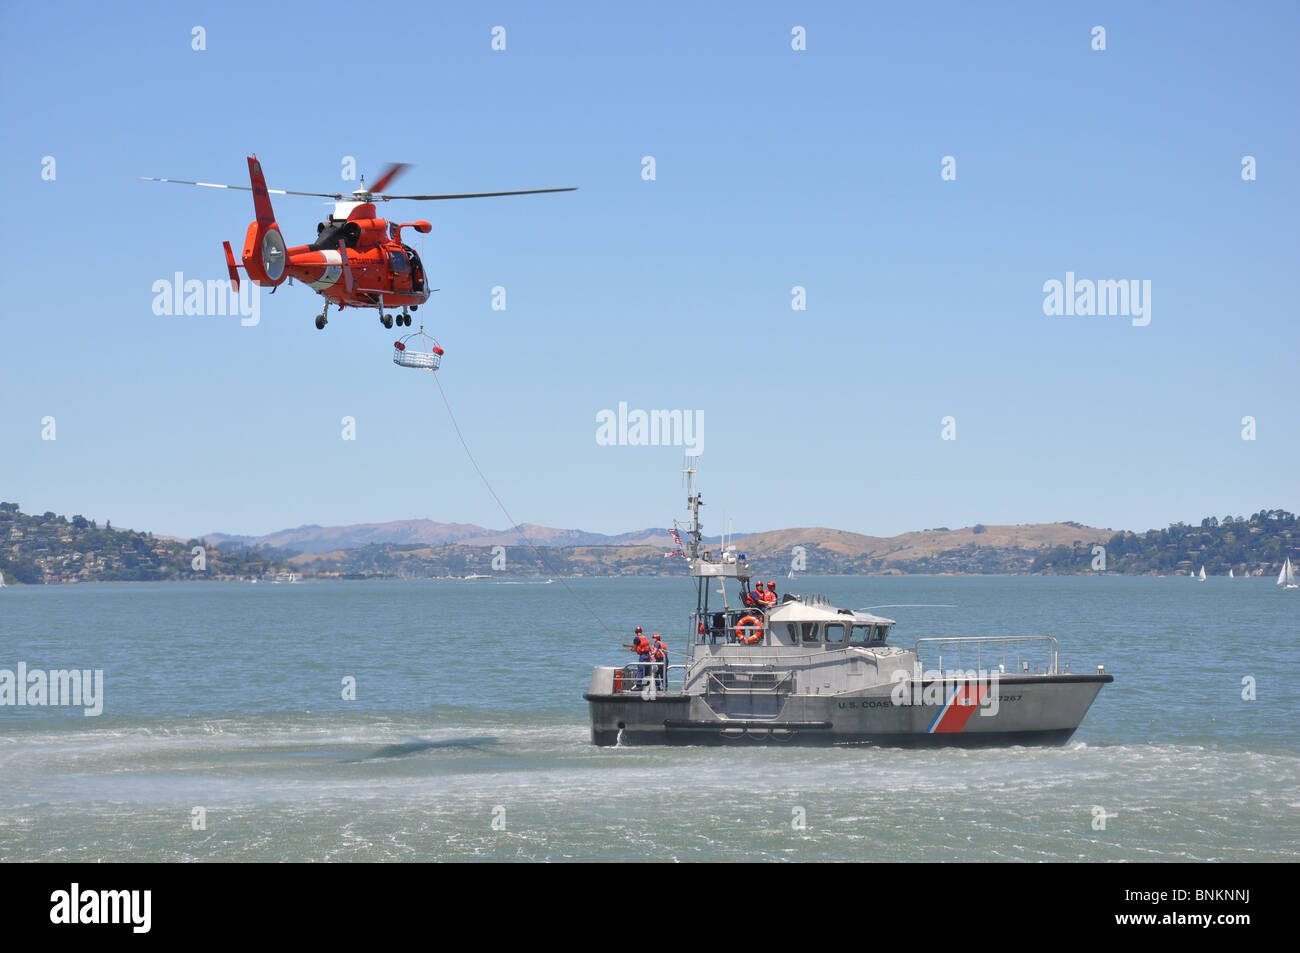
(805,672)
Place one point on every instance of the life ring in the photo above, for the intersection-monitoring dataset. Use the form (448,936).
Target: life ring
(754,624)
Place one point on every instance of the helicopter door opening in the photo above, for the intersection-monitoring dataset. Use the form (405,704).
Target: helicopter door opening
(400,267)
(417,270)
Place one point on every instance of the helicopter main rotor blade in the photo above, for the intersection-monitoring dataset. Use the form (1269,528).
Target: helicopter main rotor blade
(472,195)
(241,188)
(393,171)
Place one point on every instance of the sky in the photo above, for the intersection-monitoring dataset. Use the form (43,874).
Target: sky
(820,168)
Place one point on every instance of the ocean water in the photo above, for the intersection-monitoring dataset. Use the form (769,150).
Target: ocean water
(469,739)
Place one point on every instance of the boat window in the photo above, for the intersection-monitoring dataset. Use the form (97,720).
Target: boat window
(882,632)
(861,634)
(809,631)
(794,632)
(834,632)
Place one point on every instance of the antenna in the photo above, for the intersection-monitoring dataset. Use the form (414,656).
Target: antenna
(690,466)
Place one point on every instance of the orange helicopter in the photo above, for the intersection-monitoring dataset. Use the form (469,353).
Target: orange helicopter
(358,260)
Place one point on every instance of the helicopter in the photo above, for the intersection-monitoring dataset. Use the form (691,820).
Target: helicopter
(358,260)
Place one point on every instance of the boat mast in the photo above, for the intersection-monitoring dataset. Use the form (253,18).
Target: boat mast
(693,503)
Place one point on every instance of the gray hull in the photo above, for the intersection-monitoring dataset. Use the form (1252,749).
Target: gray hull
(1030,710)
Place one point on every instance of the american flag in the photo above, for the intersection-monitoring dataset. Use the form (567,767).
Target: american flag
(676,539)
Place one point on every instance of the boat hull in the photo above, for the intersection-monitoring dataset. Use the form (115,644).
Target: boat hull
(1030,710)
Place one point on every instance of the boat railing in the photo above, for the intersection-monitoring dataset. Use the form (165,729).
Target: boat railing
(996,650)
(706,631)
(640,678)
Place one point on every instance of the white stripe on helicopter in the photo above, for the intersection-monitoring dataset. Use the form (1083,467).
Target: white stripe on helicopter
(333,269)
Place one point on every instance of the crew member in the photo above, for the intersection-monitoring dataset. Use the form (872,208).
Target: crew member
(659,655)
(755,597)
(770,597)
(641,646)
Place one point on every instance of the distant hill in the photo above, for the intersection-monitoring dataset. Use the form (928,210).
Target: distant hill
(972,549)
(320,539)
(52,548)
(422,532)
(923,545)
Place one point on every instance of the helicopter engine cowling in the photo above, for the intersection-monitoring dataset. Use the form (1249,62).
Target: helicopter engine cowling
(265,256)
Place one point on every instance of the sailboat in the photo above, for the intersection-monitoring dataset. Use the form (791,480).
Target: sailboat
(1286,578)
(2,580)
(1230,575)
(1201,577)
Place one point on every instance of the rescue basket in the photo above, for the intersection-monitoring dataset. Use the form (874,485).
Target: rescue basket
(417,350)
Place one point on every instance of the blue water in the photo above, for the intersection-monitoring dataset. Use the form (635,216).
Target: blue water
(469,713)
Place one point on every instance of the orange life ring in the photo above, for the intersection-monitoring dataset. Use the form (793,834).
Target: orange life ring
(754,624)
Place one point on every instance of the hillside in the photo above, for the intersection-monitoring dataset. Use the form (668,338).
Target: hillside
(54,549)
(1004,544)
(974,549)
(1254,546)
(423,532)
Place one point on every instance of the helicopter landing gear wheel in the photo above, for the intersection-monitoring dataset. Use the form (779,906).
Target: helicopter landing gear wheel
(387,320)
(321,322)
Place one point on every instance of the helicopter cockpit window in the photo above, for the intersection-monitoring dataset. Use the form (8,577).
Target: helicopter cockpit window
(398,263)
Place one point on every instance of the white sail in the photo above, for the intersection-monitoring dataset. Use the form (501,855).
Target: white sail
(1202,574)
(1287,576)
(2,580)
(1230,575)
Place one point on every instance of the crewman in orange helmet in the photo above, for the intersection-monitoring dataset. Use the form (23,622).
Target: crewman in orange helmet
(641,646)
(770,597)
(659,655)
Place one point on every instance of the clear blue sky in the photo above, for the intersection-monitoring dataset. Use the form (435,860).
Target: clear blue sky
(775,168)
